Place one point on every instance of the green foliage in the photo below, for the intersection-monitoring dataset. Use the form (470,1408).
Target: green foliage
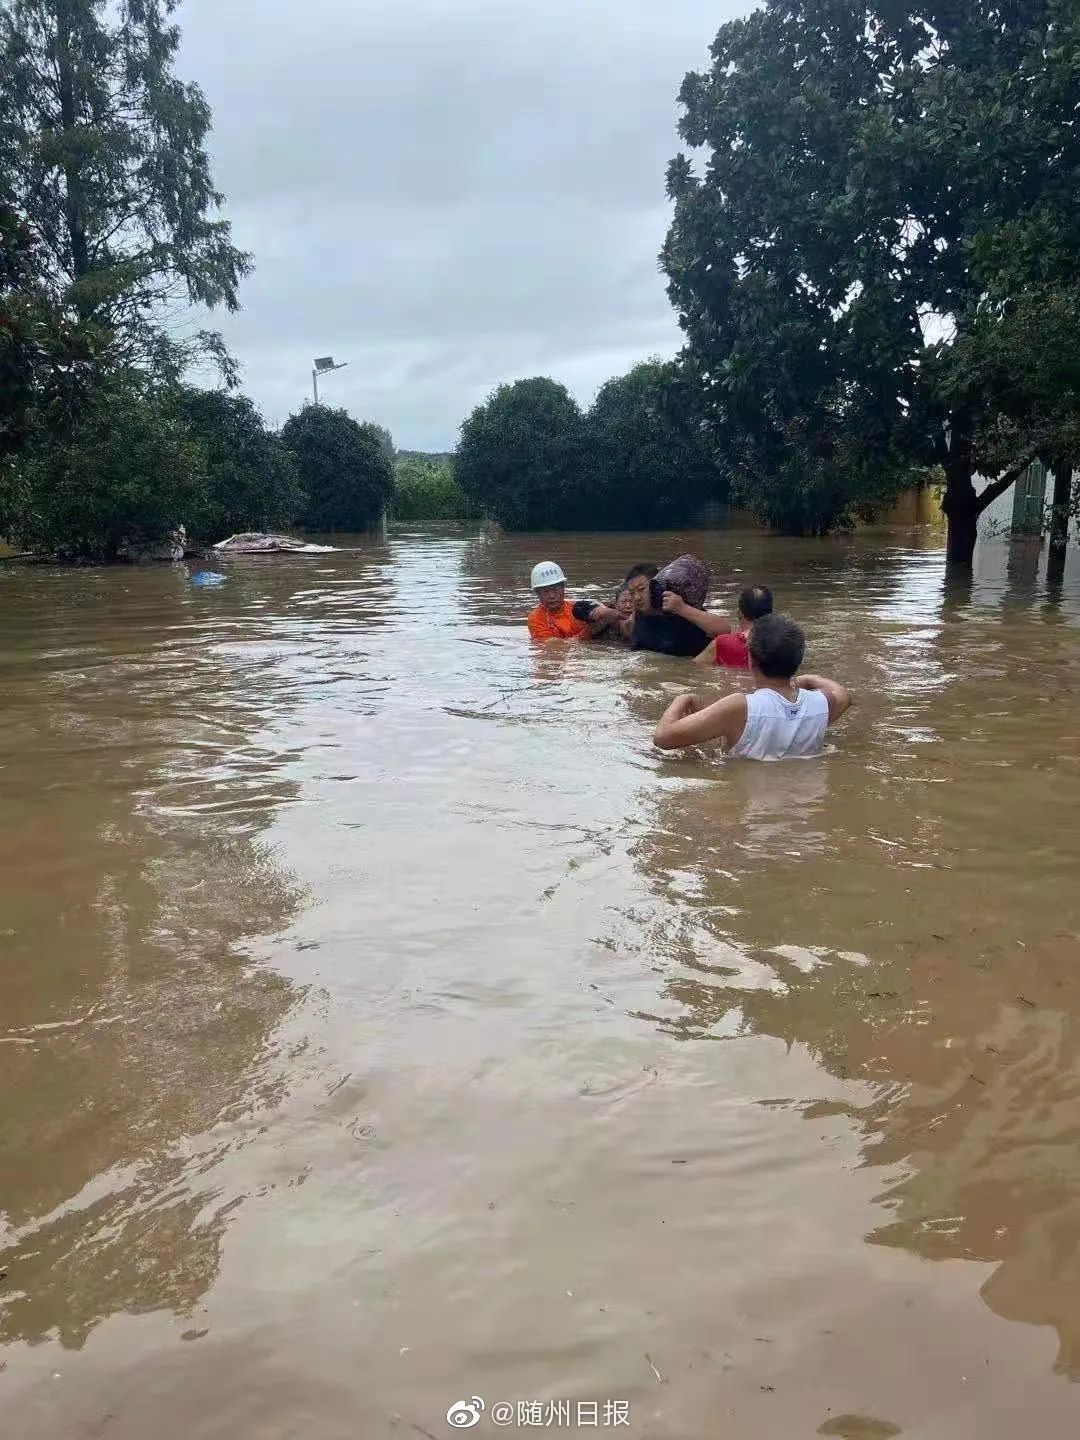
(1027,358)
(108,223)
(518,460)
(103,157)
(386,440)
(641,458)
(807,494)
(426,491)
(342,466)
(128,472)
(251,476)
(47,363)
(649,460)
(868,170)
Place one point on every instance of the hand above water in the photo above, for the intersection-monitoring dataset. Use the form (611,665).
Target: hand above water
(683,706)
(673,604)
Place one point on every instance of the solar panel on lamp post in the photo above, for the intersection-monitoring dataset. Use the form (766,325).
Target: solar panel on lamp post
(323,366)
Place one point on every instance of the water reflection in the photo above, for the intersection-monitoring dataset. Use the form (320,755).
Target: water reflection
(879,910)
(141,769)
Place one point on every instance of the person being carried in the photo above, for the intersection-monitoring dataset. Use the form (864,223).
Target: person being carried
(730,646)
(783,716)
(621,629)
(554,618)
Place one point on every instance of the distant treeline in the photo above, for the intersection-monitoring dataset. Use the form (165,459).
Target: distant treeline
(426,490)
(639,458)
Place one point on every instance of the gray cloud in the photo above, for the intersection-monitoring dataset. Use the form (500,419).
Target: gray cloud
(445,195)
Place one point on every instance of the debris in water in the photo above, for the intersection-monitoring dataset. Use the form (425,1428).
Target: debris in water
(652,1367)
(1025,1001)
(255,542)
(858,1427)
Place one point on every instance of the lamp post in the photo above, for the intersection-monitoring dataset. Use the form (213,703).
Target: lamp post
(323,365)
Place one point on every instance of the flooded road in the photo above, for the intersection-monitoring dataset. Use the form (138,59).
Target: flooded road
(383,1023)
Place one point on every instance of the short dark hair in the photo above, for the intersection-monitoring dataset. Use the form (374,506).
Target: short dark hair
(647,570)
(755,601)
(777,646)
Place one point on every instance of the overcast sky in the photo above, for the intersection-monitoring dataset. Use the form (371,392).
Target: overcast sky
(445,193)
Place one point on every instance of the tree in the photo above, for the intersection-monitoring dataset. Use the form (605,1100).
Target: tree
(386,440)
(102,156)
(518,459)
(650,461)
(1027,359)
(426,490)
(879,182)
(127,473)
(46,363)
(251,481)
(342,467)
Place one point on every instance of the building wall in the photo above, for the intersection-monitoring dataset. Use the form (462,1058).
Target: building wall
(1015,508)
(919,505)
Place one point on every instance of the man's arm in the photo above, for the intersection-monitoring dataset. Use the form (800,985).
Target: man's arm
(687,722)
(838,696)
(704,619)
(708,655)
(603,617)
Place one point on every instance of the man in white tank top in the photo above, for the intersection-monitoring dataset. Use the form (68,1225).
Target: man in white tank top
(783,716)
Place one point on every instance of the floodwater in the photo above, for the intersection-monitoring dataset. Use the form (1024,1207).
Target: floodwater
(383,1023)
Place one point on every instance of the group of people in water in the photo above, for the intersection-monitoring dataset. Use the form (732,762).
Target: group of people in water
(785,714)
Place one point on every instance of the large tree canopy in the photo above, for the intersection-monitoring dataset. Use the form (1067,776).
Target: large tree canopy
(47,363)
(879,183)
(519,456)
(342,466)
(109,228)
(128,473)
(650,461)
(102,156)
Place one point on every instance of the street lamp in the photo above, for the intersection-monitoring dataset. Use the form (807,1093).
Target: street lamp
(323,365)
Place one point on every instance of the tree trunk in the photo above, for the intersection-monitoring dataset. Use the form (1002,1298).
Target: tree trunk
(73,202)
(1059,514)
(1059,519)
(961,507)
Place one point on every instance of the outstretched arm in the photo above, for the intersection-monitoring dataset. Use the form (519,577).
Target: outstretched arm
(708,655)
(704,619)
(602,618)
(687,722)
(838,696)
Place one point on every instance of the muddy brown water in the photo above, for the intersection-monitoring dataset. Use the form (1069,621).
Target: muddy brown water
(383,1023)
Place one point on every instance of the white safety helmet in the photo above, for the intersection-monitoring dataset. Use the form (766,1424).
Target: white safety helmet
(547,573)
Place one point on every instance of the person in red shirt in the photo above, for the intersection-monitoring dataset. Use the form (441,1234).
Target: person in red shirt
(730,647)
(554,618)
